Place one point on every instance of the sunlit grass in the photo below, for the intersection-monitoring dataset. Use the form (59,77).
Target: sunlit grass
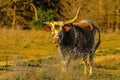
(110,41)
(26,42)
(26,50)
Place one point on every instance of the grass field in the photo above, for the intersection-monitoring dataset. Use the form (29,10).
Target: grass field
(31,55)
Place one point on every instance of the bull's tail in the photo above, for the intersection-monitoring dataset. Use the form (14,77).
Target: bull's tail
(99,38)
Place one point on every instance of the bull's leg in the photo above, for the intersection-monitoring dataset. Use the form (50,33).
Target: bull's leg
(85,65)
(91,64)
(65,64)
(91,61)
(90,69)
(88,65)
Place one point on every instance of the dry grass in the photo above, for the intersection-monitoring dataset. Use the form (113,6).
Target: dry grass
(31,55)
(26,43)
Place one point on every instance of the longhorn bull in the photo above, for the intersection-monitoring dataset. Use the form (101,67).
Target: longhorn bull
(75,40)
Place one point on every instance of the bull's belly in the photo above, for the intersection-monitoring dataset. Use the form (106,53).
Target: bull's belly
(74,53)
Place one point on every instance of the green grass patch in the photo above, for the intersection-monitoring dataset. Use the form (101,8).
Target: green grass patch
(107,52)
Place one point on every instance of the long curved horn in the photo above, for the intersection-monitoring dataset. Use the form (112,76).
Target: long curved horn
(60,23)
(48,23)
(76,16)
(35,11)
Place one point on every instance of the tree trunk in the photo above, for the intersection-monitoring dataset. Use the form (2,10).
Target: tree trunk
(14,15)
(100,8)
(117,22)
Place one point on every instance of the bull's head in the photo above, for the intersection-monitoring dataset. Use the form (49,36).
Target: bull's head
(56,26)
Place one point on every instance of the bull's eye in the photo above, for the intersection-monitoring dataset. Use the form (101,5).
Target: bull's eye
(57,27)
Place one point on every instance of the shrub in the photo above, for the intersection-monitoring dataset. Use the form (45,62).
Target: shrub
(47,15)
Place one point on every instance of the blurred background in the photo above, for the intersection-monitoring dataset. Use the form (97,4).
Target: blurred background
(20,13)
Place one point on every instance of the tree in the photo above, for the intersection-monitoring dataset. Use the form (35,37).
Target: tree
(5,12)
(15,12)
(117,16)
(105,13)
(42,12)
(66,9)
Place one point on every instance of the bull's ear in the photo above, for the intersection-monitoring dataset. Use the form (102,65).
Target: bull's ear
(47,28)
(66,28)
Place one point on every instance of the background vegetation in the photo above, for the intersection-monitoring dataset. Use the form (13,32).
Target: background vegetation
(31,55)
(20,14)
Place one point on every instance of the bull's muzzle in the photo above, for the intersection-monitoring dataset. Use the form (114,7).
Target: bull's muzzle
(55,40)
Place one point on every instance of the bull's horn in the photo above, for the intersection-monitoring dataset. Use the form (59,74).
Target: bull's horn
(60,23)
(48,23)
(76,16)
(35,11)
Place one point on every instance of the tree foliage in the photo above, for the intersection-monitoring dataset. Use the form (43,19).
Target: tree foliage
(16,12)
(47,15)
(105,13)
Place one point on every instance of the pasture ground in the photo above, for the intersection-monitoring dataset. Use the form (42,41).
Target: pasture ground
(31,55)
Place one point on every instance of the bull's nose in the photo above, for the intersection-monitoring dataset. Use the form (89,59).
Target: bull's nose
(55,40)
